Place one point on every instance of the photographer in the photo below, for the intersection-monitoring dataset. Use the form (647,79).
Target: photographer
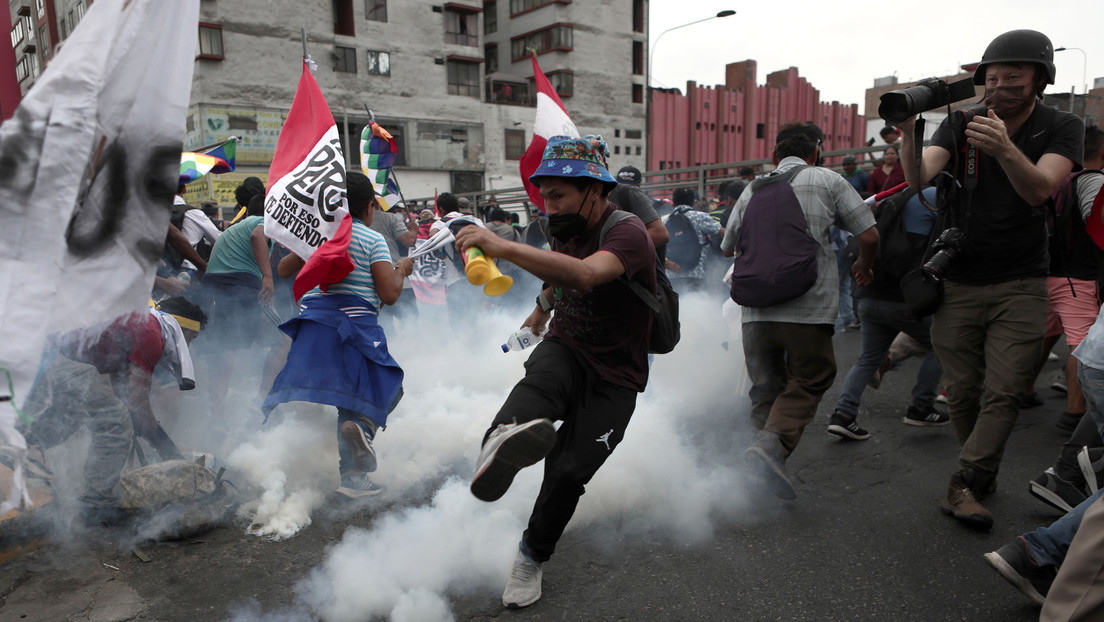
(988,330)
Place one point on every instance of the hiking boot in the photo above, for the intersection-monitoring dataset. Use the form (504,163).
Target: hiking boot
(925,417)
(876,380)
(962,503)
(766,458)
(1056,492)
(524,587)
(844,425)
(510,448)
(357,485)
(1013,562)
(360,445)
(1067,421)
(1091,461)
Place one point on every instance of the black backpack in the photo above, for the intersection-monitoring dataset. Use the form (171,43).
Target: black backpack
(899,252)
(683,248)
(1070,244)
(775,255)
(666,330)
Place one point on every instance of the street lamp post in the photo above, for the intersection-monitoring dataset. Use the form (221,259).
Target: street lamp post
(648,79)
(1084,66)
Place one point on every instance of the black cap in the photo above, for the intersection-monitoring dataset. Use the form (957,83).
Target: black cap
(629,175)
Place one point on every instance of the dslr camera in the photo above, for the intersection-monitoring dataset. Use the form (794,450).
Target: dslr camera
(927,94)
(947,247)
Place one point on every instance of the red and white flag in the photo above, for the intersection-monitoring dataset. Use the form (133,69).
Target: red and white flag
(306,204)
(552,120)
(305,199)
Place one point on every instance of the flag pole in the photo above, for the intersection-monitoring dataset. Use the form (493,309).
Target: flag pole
(303,34)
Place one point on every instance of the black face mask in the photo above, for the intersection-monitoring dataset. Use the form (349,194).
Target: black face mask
(563,227)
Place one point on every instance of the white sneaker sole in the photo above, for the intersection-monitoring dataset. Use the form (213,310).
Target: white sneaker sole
(1049,497)
(924,423)
(523,446)
(1009,573)
(1087,470)
(843,432)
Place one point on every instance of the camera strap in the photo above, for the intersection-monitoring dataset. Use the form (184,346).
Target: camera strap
(918,141)
(969,182)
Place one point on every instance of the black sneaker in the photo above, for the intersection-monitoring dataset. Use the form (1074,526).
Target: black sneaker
(929,417)
(1013,562)
(359,443)
(1055,491)
(844,425)
(1030,400)
(1067,421)
(1091,461)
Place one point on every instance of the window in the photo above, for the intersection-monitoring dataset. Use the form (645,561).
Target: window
(344,59)
(638,15)
(44,41)
(490,17)
(463,78)
(638,93)
(563,82)
(521,6)
(80,12)
(460,27)
(64,28)
(22,69)
(558,37)
(40,5)
(379,63)
(343,18)
(490,58)
(515,144)
(633,134)
(375,10)
(638,150)
(638,58)
(760,130)
(17,33)
(210,41)
(617,150)
(36,68)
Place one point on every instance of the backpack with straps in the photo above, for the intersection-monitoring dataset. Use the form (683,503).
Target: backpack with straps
(1070,242)
(665,305)
(899,251)
(775,255)
(682,247)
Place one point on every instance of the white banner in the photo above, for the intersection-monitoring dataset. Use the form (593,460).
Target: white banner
(304,207)
(91,162)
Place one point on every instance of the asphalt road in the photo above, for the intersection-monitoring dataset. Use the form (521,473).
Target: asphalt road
(864,541)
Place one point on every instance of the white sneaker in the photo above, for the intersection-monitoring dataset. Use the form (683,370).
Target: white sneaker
(510,448)
(524,587)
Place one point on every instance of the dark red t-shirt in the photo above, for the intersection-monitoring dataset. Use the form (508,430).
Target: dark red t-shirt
(134,338)
(610,326)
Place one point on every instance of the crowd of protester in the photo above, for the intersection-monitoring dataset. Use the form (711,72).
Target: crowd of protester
(1008,295)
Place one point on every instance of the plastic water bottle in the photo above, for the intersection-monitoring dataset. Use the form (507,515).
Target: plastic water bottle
(520,340)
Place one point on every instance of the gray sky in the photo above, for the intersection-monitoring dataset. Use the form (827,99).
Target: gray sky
(841,47)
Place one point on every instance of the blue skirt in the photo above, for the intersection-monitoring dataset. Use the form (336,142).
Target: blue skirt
(338,357)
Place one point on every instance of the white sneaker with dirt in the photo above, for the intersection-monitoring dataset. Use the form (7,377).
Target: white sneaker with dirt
(524,587)
(510,448)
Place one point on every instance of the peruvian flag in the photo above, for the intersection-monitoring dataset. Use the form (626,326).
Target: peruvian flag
(552,120)
(305,206)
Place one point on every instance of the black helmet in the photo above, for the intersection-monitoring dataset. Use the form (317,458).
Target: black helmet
(1018,46)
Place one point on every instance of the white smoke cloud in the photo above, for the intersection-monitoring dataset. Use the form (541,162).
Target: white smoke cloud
(676,474)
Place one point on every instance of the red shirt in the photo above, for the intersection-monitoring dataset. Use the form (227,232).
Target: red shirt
(132,339)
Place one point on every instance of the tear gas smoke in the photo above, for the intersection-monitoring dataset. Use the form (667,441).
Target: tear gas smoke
(675,475)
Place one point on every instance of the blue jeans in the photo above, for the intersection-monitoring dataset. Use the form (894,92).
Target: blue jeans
(1092,385)
(881,321)
(1048,545)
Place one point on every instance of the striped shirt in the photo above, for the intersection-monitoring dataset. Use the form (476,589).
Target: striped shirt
(365,248)
(827,199)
